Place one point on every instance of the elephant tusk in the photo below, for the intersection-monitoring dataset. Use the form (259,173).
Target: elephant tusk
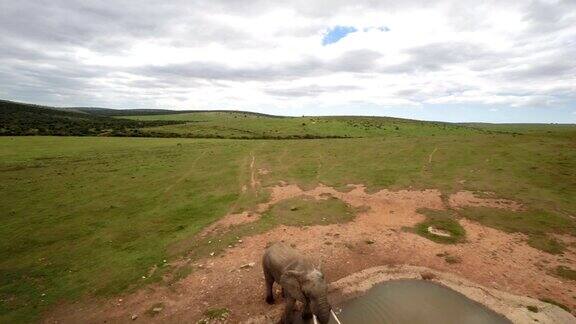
(335,317)
(314,319)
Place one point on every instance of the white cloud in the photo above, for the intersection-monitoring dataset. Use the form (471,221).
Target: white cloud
(249,55)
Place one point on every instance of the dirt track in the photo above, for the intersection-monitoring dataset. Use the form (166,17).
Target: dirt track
(489,257)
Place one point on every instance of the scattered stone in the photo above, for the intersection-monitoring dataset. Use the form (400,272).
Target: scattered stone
(229,246)
(427,275)
(134,317)
(248,265)
(438,232)
(240,241)
(452,259)
(369,241)
(157,310)
(212,253)
(533,309)
(143,277)
(293,208)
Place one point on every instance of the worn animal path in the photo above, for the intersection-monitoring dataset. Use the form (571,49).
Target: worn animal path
(489,257)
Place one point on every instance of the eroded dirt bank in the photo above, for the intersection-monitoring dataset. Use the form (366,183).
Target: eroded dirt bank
(489,257)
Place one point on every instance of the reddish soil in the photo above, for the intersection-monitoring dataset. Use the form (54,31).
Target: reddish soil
(468,199)
(375,237)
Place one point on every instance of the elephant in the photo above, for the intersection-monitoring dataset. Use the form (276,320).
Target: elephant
(300,280)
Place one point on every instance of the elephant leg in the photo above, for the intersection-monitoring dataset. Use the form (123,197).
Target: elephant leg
(269,283)
(307,312)
(287,318)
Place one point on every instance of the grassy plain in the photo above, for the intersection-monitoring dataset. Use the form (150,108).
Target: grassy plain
(85,216)
(244,125)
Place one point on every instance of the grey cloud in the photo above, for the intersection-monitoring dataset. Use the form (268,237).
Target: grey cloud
(354,61)
(106,27)
(437,56)
(546,16)
(316,9)
(442,90)
(110,28)
(309,91)
(40,38)
(554,69)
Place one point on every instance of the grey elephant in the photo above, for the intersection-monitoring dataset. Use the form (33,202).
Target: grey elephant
(300,280)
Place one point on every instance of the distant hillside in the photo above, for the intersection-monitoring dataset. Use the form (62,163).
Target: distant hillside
(26,119)
(108,112)
(151,112)
(241,125)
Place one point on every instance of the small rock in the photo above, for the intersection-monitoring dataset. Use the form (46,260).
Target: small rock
(164,261)
(157,309)
(212,253)
(240,241)
(370,241)
(143,277)
(134,317)
(209,242)
(248,265)
(229,246)
(427,275)
(120,299)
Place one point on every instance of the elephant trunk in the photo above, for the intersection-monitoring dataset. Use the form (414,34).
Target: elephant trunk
(321,309)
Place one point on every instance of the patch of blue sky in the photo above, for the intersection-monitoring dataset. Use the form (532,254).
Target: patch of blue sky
(337,33)
(379,28)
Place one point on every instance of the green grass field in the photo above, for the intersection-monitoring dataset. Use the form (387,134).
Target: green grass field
(86,216)
(243,125)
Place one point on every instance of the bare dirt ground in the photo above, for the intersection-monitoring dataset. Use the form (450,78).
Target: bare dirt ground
(374,238)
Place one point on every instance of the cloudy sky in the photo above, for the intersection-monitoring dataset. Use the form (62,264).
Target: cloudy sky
(494,61)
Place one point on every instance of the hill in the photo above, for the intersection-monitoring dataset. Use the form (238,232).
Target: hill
(242,125)
(147,112)
(26,119)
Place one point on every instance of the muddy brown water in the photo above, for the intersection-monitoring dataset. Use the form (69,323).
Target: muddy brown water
(415,302)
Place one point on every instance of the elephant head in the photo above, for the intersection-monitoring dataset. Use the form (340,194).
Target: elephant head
(311,289)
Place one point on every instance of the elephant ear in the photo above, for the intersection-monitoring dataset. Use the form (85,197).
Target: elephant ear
(290,282)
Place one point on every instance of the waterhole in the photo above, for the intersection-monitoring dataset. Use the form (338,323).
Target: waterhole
(415,302)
